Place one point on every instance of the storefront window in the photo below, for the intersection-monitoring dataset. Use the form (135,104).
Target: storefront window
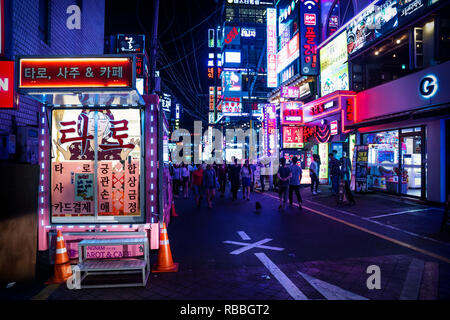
(96,165)
(383,167)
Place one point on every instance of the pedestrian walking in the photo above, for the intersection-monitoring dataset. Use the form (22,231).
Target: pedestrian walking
(176,179)
(294,182)
(346,167)
(209,183)
(252,183)
(197,184)
(283,175)
(234,176)
(222,174)
(247,176)
(185,177)
(262,176)
(335,172)
(314,174)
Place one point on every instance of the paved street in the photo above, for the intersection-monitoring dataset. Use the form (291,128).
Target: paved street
(320,252)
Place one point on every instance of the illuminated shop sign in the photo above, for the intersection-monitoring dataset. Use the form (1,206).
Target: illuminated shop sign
(232,35)
(272,81)
(6,84)
(232,57)
(288,54)
(166,102)
(334,128)
(428,86)
(211,98)
(322,107)
(293,137)
(83,73)
(270,128)
(211,38)
(285,13)
(291,112)
(130,43)
(309,29)
(248,33)
(231,105)
(2,28)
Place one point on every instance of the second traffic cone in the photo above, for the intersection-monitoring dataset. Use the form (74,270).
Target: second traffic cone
(165,261)
(174,214)
(62,270)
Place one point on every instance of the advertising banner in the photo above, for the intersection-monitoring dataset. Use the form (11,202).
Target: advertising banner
(309,29)
(334,79)
(231,80)
(6,84)
(270,128)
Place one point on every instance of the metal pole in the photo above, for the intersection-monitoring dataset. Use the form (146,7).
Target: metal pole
(154,42)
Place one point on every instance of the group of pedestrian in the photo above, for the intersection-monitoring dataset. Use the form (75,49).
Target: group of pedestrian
(339,169)
(180,178)
(289,178)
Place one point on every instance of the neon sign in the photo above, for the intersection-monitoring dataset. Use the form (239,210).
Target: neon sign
(310,37)
(272,80)
(428,86)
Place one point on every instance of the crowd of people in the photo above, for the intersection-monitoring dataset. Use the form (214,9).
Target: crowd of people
(205,179)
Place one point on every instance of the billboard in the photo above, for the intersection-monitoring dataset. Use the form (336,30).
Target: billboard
(288,53)
(127,43)
(272,81)
(231,80)
(334,79)
(309,29)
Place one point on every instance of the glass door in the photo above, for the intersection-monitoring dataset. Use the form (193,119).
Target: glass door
(413,162)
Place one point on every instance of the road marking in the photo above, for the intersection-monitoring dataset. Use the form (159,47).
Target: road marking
(46,292)
(329,291)
(287,284)
(401,243)
(243,235)
(411,286)
(248,246)
(396,213)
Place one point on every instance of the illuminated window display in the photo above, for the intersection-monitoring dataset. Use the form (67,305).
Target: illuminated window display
(96,165)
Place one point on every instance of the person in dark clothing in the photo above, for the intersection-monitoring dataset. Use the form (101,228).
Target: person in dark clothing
(346,167)
(262,176)
(294,182)
(235,176)
(335,173)
(222,174)
(284,174)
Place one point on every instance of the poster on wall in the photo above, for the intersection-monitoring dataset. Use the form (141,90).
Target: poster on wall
(361,167)
(83,139)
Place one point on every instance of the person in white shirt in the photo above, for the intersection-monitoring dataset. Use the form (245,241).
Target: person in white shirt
(314,173)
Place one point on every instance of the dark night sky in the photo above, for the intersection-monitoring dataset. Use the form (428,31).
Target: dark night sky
(175,18)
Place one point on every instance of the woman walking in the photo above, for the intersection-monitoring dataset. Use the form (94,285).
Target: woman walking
(246,176)
(197,184)
(222,173)
(209,183)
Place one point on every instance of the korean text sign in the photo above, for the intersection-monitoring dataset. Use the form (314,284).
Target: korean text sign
(292,137)
(291,112)
(309,40)
(272,81)
(87,72)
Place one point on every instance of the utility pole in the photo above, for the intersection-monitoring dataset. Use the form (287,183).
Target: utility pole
(154,43)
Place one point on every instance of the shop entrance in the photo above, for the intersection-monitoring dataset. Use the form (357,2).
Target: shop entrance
(413,162)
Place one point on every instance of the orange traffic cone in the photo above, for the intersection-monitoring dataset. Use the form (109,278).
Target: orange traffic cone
(63,270)
(173,212)
(165,262)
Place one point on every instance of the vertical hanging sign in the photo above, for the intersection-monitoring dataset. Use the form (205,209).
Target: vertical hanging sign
(272,81)
(309,29)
